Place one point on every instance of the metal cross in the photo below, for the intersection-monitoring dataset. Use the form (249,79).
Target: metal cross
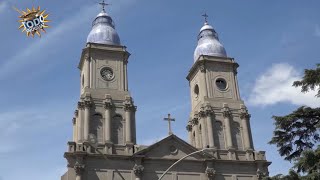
(103,4)
(169,119)
(205,17)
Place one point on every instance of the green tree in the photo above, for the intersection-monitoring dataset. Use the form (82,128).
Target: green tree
(297,133)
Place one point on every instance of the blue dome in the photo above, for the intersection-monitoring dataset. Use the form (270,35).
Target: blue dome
(208,43)
(103,31)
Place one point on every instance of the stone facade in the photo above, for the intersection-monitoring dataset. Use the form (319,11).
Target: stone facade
(104,146)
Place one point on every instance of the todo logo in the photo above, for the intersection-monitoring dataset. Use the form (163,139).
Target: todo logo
(33,21)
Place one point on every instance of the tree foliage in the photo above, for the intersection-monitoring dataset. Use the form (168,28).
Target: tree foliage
(310,80)
(297,133)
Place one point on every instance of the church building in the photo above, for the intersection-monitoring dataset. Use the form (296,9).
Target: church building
(104,125)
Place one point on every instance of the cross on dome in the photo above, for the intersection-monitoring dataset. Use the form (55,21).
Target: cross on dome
(205,17)
(103,4)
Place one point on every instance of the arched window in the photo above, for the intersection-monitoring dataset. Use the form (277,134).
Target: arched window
(236,136)
(117,129)
(96,127)
(218,135)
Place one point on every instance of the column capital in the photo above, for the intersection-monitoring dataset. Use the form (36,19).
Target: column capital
(79,168)
(209,110)
(88,103)
(202,67)
(226,111)
(189,127)
(210,172)
(202,112)
(74,120)
(76,113)
(80,105)
(108,102)
(244,112)
(138,170)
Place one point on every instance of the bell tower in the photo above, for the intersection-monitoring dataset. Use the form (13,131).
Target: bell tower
(105,109)
(219,119)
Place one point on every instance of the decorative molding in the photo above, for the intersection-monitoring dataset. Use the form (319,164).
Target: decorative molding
(202,113)
(74,120)
(138,170)
(108,105)
(210,172)
(195,121)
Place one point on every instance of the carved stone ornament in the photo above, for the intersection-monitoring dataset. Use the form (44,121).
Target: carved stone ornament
(189,127)
(88,104)
(202,67)
(209,110)
(202,112)
(226,112)
(79,168)
(74,120)
(76,113)
(261,175)
(80,105)
(244,114)
(195,121)
(128,107)
(138,170)
(210,172)
(108,104)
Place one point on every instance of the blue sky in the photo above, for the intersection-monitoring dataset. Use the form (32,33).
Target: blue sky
(273,41)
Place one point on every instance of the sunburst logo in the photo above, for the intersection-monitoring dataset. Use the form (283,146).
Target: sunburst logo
(33,21)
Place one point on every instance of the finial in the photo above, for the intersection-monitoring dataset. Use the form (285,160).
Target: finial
(103,4)
(205,18)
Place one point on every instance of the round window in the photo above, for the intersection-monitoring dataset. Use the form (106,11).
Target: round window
(107,73)
(221,84)
(196,90)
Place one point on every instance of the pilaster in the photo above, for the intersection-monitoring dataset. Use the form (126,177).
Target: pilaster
(87,106)
(204,130)
(195,122)
(227,121)
(80,122)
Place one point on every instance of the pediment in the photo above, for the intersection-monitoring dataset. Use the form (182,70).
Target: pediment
(171,147)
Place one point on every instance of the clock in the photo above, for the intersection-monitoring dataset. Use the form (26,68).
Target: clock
(107,73)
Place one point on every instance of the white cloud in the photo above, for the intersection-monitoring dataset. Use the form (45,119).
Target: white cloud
(275,86)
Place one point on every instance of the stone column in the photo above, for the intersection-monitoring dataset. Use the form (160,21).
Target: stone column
(87,108)
(189,129)
(74,129)
(204,129)
(195,123)
(138,171)
(125,75)
(87,77)
(245,116)
(80,122)
(128,107)
(226,115)
(209,113)
(203,85)
(133,126)
(107,122)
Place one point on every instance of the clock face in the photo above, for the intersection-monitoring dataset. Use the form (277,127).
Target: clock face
(107,74)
